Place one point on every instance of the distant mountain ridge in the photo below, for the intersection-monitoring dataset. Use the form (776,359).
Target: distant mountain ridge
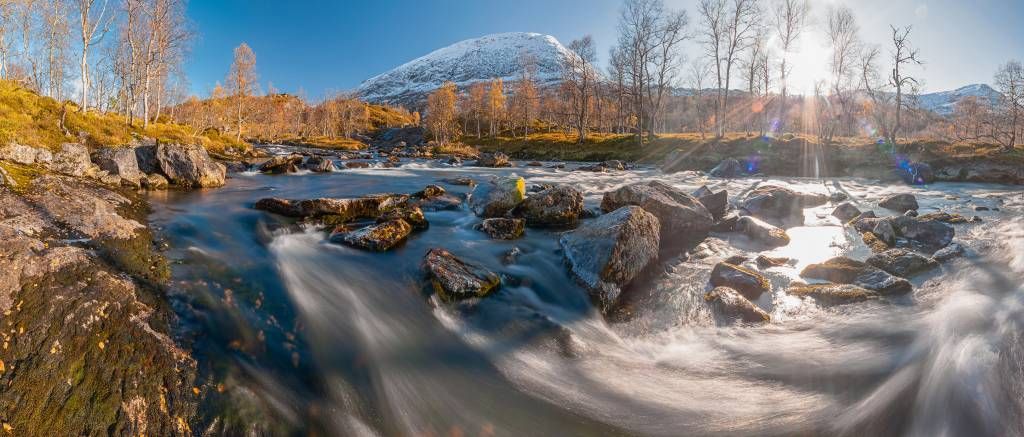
(944,102)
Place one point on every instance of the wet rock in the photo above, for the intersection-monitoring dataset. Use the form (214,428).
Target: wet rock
(534,164)
(765,262)
(899,202)
(846,212)
(26,155)
(511,256)
(748,282)
(874,243)
(444,202)
(412,214)
(931,234)
(453,279)
(154,182)
(731,305)
(560,205)
(736,259)
(780,205)
(911,213)
(358,164)
(493,160)
(345,209)
(727,223)
(947,253)
(715,203)
(497,197)
(916,173)
(282,164)
(843,270)
(944,217)
(72,159)
(607,253)
(120,162)
(901,262)
(728,168)
(761,231)
(885,232)
(503,228)
(379,237)
(832,294)
(459,181)
(614,164)
(320,164)
(189,166)
(682,217)
(838,196)
(430,191)
(980,171)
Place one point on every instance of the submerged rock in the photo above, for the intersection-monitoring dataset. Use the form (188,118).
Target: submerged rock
(761,231)
(189,166)
(780,205)
(832,294)
(610,251)
(444,202)
(843,270)
(902,263)
(379,237)
(949,252)
(453,279)
(682,217)
(560,205)
(503,228)
(497,197)
(899,202)
(731,305)
(748,282)
(320,164)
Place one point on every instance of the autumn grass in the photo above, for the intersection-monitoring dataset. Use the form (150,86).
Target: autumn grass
(33,120)
(455,149)
(329,143)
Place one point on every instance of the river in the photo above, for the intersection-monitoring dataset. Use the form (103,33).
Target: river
(300,335)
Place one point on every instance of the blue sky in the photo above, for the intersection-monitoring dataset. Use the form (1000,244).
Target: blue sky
(319,46)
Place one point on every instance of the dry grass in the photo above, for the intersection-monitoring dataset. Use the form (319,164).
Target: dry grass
(330,143)
(456,149)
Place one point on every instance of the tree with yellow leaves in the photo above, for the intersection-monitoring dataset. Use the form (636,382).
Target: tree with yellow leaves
(496,104)
(441,118)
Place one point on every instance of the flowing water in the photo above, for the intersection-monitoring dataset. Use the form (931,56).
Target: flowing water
(308,336)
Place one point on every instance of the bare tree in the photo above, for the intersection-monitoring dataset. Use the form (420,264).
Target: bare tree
(875,88)
(670,33)
(699,72)
(94,23)
(580,77)
(903,56)
(242,82)
(638,25)
(729,26)
(57,34)
(789,21)
(1009,81)
(842,33)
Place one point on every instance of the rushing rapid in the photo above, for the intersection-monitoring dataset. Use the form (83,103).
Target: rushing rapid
(301,334)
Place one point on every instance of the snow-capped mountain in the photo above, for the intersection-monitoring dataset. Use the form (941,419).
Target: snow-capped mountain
(944,103)
(466,62)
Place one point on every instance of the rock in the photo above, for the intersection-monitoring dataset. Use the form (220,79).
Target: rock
(25,155)
(727,223)
(493,160)
(761,231)
(733,306)
(728,168)
(607,253)
(145,158)
(453,279)
(461,180)
(682,217)
(885,232)
(412,215)
(560,205)
(503,228)
(72,159)
(765,262)
(944,217)
(982,170)
(736,259)
(282,164)
(780,205)
(843,270)
(911,213)
(429,191)
(874,243)
(235,166)
(614,164)
(154,182)
(189,166)
(748,282)
(949,252)
(121,162)
(534,164)
(344,209)
(498,196)
(846,212)
(838,196)
(832,294)
(899,202)
(379,237)
(444,202)
(358,164)
(715,203)
(901,263)
(931,234)
(320,164)
(916,173)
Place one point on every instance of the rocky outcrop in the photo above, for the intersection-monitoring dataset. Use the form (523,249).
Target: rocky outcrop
(497,197)
(843,270)
(901,262)
(25,155)
(72,159)
(780,205)
(341,209)
(121,162)
(319,164)
(761,232)
(503,228)
(899,202)
(682,217)
(453,279)
(560,205)
(607,253)
(493,160)
(378,238)
(980,171)
(189,166)
(748,282)
(832,294)
(732,306)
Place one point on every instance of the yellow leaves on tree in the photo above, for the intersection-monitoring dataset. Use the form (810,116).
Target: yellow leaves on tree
(441,117)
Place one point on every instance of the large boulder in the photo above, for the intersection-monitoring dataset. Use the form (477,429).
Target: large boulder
(929,234)
(731,305)
(412,214)
(72,159)
(494,160)
(845,212)
(344,209)
(497,197)
(453,279)
(120,161)
(500,228)
(901,262)
(761,231)
(899,202)
(715,203)
(189,166)
(832,294)
(379,237)
(780,205)
(282,164)
(320,164)
(26,155)
(556,206)
(843,270)
(607,253)
(728,168)
(748,282)
(682,217)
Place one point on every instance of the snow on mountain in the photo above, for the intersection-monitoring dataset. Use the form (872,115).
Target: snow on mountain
(944,103)
(466,62)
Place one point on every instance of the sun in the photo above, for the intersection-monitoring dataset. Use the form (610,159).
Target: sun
(809,59)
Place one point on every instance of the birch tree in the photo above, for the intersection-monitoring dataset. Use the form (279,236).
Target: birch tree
(790,19)
(729,26)
(94,21)
(241,82)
